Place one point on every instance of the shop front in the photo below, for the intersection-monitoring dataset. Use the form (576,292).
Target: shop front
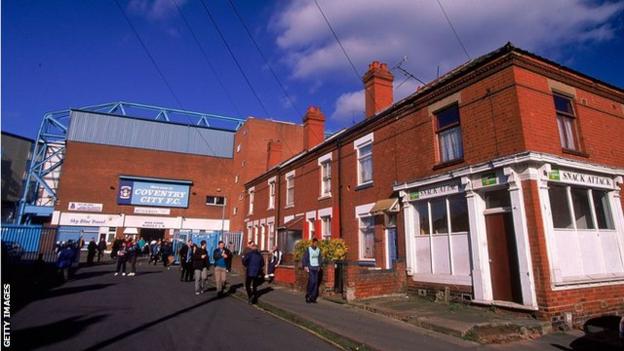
(468,230)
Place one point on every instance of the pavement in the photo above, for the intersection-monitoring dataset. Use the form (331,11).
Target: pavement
(154,310)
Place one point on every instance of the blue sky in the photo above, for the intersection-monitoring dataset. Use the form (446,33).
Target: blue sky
(61,54)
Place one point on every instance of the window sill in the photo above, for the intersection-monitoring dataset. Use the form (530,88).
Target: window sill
(574,152)
(270,208)
(448,163)
(324,197)
(366,262)
(364,186)
(289,206)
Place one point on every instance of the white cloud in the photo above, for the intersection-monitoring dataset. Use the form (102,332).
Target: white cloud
(349,106)
(155,10)
(391,29)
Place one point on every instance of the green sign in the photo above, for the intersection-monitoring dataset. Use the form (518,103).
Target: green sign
(554,175)
(489,179)
(414,196)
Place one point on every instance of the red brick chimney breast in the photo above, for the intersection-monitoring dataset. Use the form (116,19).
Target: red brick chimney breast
(378,88)
(313,127)
(274,153)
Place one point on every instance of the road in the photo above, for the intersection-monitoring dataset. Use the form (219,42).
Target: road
(152,311)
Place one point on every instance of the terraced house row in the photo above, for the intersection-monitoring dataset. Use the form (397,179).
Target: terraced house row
(499,183)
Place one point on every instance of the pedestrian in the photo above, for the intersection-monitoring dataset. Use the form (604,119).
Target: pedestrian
(154,251)
(220,255)
(91,247)
(140,245)
(121,260)
(101,247)
(247,248)
(64,261)
(276,259)
(116,245)
(132,253)
(166,254)
(312,260)
(186,261)
(200,267)
(254,263)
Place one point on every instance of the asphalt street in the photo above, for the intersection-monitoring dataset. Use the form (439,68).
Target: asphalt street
(151,311)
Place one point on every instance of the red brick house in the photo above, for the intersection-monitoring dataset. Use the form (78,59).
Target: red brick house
(499,182)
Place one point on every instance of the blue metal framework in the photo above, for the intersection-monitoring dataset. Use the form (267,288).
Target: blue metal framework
(51,139)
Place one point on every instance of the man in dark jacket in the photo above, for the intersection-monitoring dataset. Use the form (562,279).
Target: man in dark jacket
(253,263)
(200,267)
(100,248)
(91,252)
(312,261)
(186,253)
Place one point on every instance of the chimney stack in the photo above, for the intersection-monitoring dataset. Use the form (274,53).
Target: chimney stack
(274,153)
(378,88)
(313,127)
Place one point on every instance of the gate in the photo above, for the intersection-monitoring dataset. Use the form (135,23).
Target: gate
(25,242)
(180,237)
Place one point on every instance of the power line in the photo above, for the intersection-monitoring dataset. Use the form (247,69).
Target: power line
(149,55)
(448,20)
(205,55)
(227,46)
(266,61)
(357,74)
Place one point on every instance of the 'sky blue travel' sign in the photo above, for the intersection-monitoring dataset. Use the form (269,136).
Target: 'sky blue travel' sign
(134,192)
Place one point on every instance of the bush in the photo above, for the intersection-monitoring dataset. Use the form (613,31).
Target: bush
(332,249)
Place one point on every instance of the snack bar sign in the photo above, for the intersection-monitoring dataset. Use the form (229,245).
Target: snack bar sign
(132,192)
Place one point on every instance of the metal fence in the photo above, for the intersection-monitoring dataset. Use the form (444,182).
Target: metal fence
(212,239)
(26,242)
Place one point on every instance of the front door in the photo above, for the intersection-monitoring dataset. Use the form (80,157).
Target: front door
(150,234)
(503,257)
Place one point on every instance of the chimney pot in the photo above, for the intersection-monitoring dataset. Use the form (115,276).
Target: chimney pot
(313,127)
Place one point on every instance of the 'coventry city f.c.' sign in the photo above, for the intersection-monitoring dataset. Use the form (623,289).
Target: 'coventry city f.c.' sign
(133,192)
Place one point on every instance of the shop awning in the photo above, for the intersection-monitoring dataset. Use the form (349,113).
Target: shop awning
(131,231)
(385,205)
(294,224)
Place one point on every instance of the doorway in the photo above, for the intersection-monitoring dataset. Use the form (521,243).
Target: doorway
(503,254)
(150,234)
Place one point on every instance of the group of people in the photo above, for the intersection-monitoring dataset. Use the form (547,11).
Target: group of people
(195,262)
(127,250)
(67,258)
(160,250)
(92,247)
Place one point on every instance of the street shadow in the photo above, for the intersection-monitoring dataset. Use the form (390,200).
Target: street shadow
(87,275)
(263,291)
(147,325)
(48,334)
(71,290)
(601,333)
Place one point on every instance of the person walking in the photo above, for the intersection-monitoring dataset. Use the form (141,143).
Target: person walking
(64,261)
(133,254)
(101,247)
(121,260)
(200,267)
(312,260)
(276,259)
(166,252)
(186,261)
(140,246)
(254,263)
(154,251)
(91,247)
(220,256)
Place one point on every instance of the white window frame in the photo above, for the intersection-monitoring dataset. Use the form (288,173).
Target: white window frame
(215,202)
(324,163)
(592,208)
(251,193)
(272,190)
(326,227)
(361,212)
(357,145)
(290,184)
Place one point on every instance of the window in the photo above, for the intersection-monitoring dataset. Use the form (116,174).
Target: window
(365,163)
(326,178)
(437,214)
(367,238)
(272,193)
(287,239)
(326,227)
(215,200)
(587,204)
(235,210)
(251,200)
(272,237)
(449,134)
(290,189)
(566,122)
(311,227)
(236,179)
